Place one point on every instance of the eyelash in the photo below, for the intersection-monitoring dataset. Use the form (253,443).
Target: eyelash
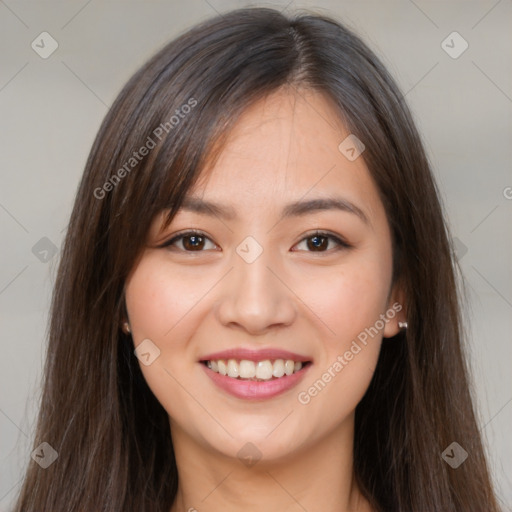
(341,243)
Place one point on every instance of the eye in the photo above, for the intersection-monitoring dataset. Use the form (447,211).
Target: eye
(191,241)
(319,242)
(196,241)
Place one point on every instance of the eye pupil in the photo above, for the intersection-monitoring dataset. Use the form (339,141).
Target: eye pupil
(193,242)
(318,242)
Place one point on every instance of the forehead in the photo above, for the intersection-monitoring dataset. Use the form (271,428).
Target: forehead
(283,148)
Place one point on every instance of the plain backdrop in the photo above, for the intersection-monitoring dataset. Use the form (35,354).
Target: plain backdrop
(51,109)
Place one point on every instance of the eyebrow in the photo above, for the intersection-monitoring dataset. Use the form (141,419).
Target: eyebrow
(295,209)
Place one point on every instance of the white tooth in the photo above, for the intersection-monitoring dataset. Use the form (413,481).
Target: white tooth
(222,367)
(278,368)
(264,370)
(288,367)
(232,368)
(247,369)
(297,366)
(209,364)
(214,366)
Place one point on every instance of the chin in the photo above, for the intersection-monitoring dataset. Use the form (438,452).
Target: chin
(261,442)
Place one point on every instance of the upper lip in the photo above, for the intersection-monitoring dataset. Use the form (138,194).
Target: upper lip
(254,355)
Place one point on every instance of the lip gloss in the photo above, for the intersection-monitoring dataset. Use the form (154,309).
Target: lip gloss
(255,390)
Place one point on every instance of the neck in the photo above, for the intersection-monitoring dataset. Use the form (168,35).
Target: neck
(319,477)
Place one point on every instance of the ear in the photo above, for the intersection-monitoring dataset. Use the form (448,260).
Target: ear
(396,311)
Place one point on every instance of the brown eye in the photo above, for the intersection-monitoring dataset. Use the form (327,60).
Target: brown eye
(319,242)
(193,242)
(190,241)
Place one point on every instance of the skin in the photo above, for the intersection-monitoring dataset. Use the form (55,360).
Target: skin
(293,297)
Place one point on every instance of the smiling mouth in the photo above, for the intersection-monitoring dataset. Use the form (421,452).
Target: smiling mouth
(257,371)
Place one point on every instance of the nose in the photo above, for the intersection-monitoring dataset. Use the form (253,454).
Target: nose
(255,297)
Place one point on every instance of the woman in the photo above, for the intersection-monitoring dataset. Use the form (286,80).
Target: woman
(256,305)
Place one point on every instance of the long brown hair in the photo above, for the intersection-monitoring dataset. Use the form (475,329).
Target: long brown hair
(111,434)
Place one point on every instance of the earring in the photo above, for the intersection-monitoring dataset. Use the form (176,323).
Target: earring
(126,327)
(402,325)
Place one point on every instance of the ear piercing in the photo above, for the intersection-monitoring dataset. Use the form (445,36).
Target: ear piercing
(126,327)
(402,325)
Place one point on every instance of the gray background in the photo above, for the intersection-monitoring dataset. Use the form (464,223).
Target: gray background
(51,109)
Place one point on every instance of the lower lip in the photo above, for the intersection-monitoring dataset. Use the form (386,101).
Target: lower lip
(255,390)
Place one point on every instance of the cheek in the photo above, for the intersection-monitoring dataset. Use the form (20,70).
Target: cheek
(351,297)
(162,304)
(159,297)
(351,302)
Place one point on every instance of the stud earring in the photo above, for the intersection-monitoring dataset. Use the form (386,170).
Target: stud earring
(126,327)
(402,325)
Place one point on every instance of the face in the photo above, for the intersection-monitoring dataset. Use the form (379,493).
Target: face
(284,284)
